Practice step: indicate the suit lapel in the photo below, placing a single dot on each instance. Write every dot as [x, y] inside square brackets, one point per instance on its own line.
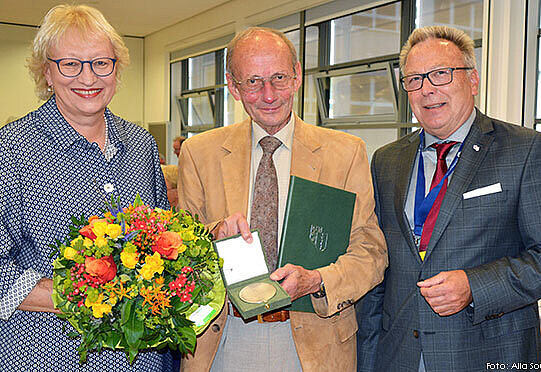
[480, 138]
[236, 168]
[306, 161]
[406, 156]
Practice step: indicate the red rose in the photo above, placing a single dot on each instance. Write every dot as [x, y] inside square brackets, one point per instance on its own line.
[168, 245]
[104, 269]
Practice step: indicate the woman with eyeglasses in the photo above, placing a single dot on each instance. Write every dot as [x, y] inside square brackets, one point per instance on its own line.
[65, 159]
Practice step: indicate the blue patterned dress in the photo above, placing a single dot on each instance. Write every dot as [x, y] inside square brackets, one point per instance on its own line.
[49, 172]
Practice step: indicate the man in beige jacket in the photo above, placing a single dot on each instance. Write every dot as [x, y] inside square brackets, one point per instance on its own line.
[216, 181]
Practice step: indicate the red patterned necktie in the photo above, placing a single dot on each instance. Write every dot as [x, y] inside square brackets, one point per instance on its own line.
[442, 149]
[264, 213]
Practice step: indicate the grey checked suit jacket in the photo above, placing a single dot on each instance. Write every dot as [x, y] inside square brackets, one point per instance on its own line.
[495, 238]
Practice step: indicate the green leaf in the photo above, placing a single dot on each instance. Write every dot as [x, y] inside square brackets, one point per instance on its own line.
[82, 356]
[132, 326]
[112, 339]
[188, 338]
[133, 351]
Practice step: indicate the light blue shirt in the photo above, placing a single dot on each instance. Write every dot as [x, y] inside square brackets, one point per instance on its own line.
[430, 160]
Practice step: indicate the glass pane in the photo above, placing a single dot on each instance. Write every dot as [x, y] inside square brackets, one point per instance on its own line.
[367, 93]
[478, 57]
[294, 37]
[311, 50]
[201, 71]
[374, 137]
[229, 108]
[371, 33]
[200, 111]
[466, 15]
[176, 79]
[310, 100]
[538, 106]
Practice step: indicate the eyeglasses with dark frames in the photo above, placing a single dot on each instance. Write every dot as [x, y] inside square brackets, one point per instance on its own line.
[438, 77]
[256, 83]
[72, 67]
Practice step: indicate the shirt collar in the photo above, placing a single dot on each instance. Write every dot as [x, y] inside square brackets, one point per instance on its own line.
[285, 135]
[66, 136]
[459, 135]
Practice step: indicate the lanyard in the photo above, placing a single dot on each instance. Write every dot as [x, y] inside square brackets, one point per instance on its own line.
[424, 204]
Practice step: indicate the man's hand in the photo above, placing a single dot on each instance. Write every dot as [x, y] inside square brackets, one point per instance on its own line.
[233, 225]
[447, 292]
[297, 281]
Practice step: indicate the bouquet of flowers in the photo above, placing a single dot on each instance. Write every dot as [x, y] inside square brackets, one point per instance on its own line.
[137, 278]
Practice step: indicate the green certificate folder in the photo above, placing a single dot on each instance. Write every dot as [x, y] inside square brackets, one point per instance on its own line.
[317, 225]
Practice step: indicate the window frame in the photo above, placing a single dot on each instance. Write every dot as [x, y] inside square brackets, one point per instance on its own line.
[322, 85]
[402, 117]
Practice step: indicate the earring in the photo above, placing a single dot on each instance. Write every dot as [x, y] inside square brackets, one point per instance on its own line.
[50, 89]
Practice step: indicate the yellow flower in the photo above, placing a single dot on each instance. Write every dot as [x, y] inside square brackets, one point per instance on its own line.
[100, 228]
[70, 253]
[98, 307]
[113, 299]
[113, 230]
[155, 260]
[129, 259]
[100, 242]
[182, 248]
[188, 235]
[87, 243]
[153, 264]
[75, 241]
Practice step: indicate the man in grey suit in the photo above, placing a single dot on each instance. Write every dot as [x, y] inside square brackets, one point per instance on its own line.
[464, 269]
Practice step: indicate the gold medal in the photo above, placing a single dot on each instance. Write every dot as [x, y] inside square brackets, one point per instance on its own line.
[257, 293]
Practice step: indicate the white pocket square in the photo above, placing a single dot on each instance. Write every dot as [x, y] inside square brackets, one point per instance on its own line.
[497, 187]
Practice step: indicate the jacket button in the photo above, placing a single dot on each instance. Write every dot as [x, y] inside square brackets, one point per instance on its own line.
[215, 328]
[415, 333]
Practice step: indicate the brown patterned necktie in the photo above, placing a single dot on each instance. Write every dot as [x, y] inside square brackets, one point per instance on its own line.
[264, 213]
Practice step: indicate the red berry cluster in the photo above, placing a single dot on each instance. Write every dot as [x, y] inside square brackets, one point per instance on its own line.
[182, 286]
[144, 219]
[80, 278]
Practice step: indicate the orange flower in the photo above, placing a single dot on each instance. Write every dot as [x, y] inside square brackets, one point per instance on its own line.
[104, 269]
[168, 245]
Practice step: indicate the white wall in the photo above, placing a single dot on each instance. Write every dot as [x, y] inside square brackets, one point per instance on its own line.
[17, 95]
[128, 101]
[509, 60]
[17, 89]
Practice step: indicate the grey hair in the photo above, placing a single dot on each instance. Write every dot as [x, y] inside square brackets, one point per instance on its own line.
[458, 37]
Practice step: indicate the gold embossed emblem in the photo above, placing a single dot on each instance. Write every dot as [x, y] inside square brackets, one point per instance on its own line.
[257, 293]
